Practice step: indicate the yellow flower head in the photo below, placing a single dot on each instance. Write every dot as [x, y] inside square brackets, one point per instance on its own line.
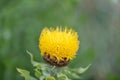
[58, 46]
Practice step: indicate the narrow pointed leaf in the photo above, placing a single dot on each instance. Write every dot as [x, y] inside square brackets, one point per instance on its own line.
[25, 74]
[34, 63]
[71, 75]
[81, 70]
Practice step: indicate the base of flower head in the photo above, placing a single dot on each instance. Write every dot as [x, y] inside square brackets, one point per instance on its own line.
[54, 61]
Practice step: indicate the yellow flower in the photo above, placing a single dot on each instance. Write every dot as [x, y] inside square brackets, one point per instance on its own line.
[58, 46]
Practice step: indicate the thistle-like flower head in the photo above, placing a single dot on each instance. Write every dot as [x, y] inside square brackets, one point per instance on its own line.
[58, 46]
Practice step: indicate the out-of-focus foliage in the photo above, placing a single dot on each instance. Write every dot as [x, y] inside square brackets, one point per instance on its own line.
[96, 21]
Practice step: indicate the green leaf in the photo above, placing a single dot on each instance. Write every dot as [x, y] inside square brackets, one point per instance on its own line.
[34, 63]
[50, 78]
[37, 73]
[81, 70]
[25, 74]
[71, 75]
[37, 65]
[62, 76]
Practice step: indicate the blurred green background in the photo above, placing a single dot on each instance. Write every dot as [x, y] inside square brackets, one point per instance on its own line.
[96, 21]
